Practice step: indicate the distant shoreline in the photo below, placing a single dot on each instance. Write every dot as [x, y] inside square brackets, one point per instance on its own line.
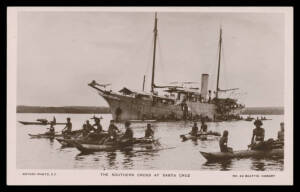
[106, 110]
[264, 111]
[64, 109]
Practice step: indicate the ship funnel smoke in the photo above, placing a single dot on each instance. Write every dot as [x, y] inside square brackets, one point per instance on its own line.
[204, 86]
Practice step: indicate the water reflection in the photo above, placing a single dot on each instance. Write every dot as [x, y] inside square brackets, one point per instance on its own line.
[195, 141]
[224, 166]
[51, 140]
[258, 165]
[128, 156]
[111, 158]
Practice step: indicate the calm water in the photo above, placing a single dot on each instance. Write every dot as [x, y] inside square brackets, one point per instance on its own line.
[44, 153]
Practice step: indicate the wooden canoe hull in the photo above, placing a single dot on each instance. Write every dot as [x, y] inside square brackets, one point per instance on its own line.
[70, 142]
[86, 148]
[47, 136]
[38, 123]
[200, 136]
[219, 156]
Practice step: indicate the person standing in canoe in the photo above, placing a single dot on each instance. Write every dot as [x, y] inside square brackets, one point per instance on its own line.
[54, 120]
[203, 128]
[280, 135]
[194, 129]
[149, 133]
[223, 143]
[68, 128]
[258, 136]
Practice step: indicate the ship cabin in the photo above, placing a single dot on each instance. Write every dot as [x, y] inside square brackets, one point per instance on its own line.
[187, 94]
[147, 96]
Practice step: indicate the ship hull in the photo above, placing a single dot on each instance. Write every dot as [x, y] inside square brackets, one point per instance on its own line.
[138, 109]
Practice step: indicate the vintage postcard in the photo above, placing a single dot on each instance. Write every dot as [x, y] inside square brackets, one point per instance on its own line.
[156, 96]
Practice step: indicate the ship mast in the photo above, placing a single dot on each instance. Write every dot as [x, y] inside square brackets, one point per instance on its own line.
[154, 53]
[144, 83]
[219, 62]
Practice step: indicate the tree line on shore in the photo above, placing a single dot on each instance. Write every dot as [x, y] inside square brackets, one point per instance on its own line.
[104, 110]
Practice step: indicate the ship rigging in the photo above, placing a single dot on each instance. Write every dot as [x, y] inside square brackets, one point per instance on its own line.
[181, 103]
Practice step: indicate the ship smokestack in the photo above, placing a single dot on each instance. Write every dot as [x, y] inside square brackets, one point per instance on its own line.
[204, 86]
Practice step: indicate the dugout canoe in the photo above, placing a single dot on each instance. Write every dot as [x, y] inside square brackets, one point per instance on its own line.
[201, 136]
[87, 148]
[38, 123]
[221, 156]
[43, 135]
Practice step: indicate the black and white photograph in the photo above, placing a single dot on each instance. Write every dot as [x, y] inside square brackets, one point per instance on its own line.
[177, 91]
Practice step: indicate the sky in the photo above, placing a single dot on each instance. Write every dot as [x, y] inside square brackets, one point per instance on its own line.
[59, 53]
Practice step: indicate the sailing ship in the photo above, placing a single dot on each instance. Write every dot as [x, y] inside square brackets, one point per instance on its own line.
[179, 103]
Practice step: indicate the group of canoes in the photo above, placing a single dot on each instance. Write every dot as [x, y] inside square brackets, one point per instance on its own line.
[262, 118]
[259, 147]
[93, 138]
[201, 134]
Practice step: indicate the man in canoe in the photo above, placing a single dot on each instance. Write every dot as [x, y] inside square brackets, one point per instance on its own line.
[194, 129]
[280, 135]
[54, 120]
[97, 126]
[51, 131]
[149, 133]
[84, 130]
[223, 143]
[68, 128]
[112, 131]
[258, 136]
[128, 135]
[203, 126]
[89, 127]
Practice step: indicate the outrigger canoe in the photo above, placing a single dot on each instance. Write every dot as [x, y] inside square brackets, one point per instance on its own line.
[88, 148]
[201, 136]
[44, 135]
[70, 142]
[221, 156]
[39, 123]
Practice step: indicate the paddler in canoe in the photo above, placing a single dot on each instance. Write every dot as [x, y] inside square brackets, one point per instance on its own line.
[49, 134]
[51, 131]
[258, 136]
[202, 134]
[195, 130]
[68, 128]
[223, 143]
[258, 142]
[203, 128]
[279, 143]
[95, 131]
[97, 125]
[112, 135]
[149, 133]
[280, 135]
[258, 147]
[128, 135]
